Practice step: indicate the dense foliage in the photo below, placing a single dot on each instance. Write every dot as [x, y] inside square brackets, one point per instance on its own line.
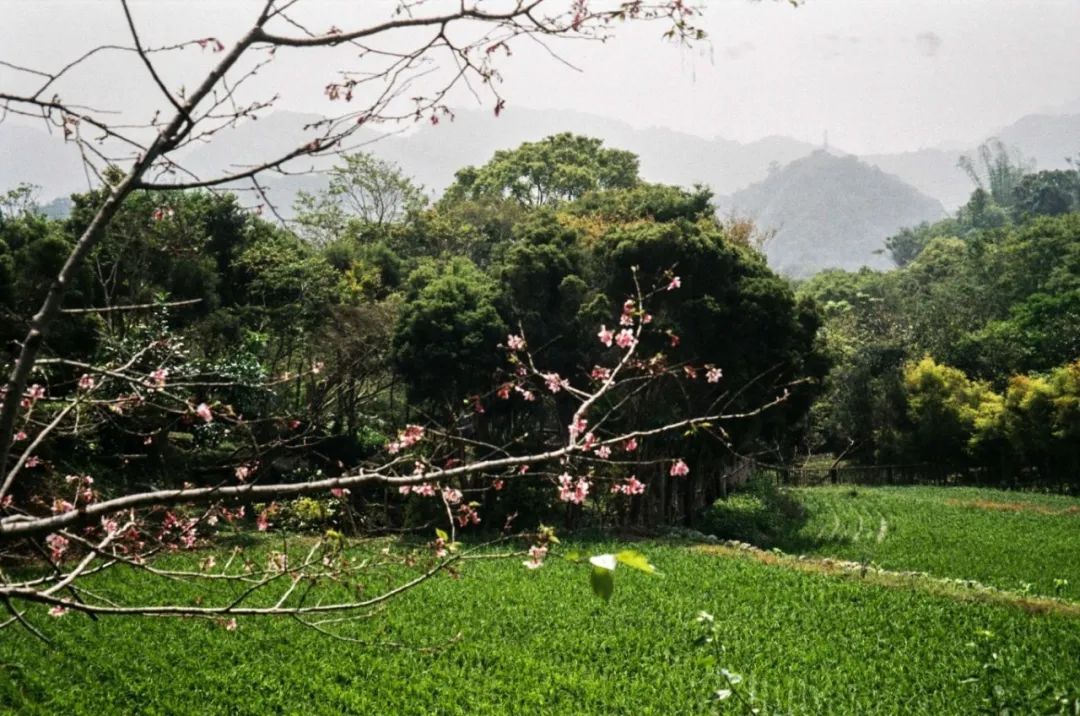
[374, 309]
[966, 354]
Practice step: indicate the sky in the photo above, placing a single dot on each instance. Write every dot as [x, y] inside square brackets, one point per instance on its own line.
[876, 75]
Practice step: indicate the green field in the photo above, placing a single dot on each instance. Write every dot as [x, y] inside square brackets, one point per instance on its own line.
[500, 639]
[1016, 541]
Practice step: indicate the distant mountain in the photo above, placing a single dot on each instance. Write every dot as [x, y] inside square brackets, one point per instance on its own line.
[1046, 139]
[829, 211]
[432, 154]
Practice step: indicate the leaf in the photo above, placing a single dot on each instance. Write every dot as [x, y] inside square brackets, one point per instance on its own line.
[635, 560]
[604, 561]
[722, 694]
[441, 534]
[573, 556]
[602, 582]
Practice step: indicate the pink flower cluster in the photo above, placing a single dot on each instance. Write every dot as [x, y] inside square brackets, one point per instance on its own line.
[679, 469]
[515, 343]
[58, 546]
[408, 437]
[574, 491]
[425, 489]
[536, 556]
[630, 486]
[554, 382]
[467, 515]
[185, 529]
[33, 394]
[203, 411]
[157, 378]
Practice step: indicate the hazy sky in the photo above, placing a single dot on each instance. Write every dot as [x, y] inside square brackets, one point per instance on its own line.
[878, 75]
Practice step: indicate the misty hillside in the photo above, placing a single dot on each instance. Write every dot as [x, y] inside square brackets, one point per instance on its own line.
[1048, 140]
[831, 212]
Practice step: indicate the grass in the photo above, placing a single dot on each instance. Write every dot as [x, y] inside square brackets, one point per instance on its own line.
[537, 642]
[1015, 541]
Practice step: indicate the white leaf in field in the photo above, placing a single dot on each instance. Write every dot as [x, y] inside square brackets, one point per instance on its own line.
[604, 561]
[731, 677]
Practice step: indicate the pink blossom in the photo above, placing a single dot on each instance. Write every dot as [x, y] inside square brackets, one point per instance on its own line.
[32, 462]
[451, 495]
[439, 545]
[675, 283]
[408, 437]
[58, 611]
[631, 486]
[674, 339]
[536, 556]
[262, 521]
[630, 445]
[625, 339]
[158, 377]
[425, 490]
[603, 452]
[554, 382]
[571, 490]
[340, 492]
[5, 502]
[60, 505]
[578, 427]
[627, 317]
[497, 484]
[713, 374]
[243, 472]
[405, 489]
[86, 382]
[589, 442]
[58, 545]
[504, 391]
[600, 373]
[515, 343]
[35, 392]
[605, 336]
[679, 469]
[230, 625]
[691, 371]
[467, 515]
[109, 525]
[526, 394]
[19, 436]
[203, 411]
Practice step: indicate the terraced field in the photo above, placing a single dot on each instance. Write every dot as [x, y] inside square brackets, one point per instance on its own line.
[1021, 542]
[500, 639]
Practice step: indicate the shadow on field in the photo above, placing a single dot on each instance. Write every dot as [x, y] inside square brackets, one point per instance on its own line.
[765, 516]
